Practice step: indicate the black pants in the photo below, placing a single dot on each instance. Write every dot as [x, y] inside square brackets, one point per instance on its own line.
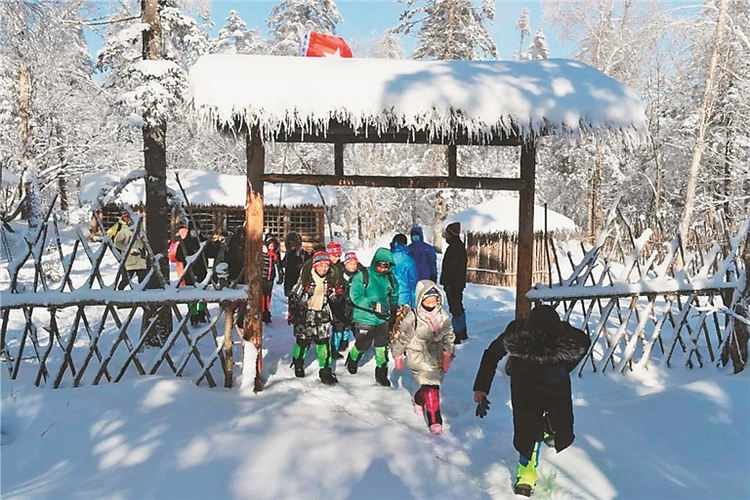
[455, 298]
[366, 335]
[128, 277]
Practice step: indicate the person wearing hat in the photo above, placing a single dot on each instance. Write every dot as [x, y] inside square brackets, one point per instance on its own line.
[342, 323]
[188, 244]
[294, 258]
[405, 271]
[374, 294]
[542, 351]
[425, 339]
[310, 313]
[424, 255]
[135, 260]
[271, 270]
[453, 278]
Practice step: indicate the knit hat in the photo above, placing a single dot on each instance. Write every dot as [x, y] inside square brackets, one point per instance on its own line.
[432, 292]
[320, 257]
[334, 248]
[454, 228]
[350, 256]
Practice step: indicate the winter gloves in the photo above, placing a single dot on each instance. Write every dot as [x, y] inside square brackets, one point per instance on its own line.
[447, 358]
[398, 361]
[483, 406]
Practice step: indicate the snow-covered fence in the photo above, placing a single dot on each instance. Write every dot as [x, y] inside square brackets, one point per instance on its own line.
[663, 306]
[64, 323]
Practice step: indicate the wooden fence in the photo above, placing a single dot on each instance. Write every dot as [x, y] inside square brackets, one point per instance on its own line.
[63, 324]
[660, 306]
[493, 258]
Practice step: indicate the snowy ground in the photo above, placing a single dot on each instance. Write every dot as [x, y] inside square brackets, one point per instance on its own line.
[665, 433]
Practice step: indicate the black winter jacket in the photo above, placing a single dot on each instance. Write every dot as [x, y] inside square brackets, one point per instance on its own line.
[453, 274]
[539, 365]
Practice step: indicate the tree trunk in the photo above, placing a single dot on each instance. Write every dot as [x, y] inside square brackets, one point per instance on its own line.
[704, 113]
[155, 163]
[62, 185]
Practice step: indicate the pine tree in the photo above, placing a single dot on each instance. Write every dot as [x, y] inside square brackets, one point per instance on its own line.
[524, 30]
[236, 38]
[291, 18]
[539, 48]
[449, 29]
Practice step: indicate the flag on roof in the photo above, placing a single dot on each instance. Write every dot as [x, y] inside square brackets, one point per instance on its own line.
[315, 44]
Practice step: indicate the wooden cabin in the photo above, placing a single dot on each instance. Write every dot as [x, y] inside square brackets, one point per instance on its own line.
[215, 201]
[490, 233]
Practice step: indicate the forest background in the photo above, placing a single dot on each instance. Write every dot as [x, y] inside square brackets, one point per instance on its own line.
[64, 112]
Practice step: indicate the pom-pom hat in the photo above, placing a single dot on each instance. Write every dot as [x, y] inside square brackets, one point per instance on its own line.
[319, 257]
[334, 248]
[350, 256]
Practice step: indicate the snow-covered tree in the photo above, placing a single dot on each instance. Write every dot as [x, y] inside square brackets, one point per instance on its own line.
[387, 47]
[449, 29]
[291, 18]
[539, 48]
[524, 30]
[236, 38]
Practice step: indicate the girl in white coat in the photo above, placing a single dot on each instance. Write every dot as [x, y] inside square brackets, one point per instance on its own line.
[426, 340]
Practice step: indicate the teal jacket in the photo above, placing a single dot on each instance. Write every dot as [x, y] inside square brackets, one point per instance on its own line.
[381, 292]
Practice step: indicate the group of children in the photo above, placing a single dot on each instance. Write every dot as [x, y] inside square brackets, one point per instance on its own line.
[337, 301]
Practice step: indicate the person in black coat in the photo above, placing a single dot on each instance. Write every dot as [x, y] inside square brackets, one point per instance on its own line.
[453, 279]
[294, 258]
[542, 351]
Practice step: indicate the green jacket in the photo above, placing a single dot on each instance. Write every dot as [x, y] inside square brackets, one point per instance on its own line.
[380, 293]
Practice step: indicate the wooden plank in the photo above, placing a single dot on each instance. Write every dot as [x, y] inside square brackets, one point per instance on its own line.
[253, 331]
[338, 158]
[419, 182]
[452, 155]
[525, 229]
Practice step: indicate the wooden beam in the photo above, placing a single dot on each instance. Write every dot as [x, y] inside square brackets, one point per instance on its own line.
[525, 229]
[340, 132]
[338, 158]
[500, 184]
[452, 161]
[253, 327]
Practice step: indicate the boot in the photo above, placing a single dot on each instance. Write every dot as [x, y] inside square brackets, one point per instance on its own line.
[343, 346]
[266, 317]
[299, 367]
[327, 376]
[381, 376]
[352, 364]
[336, 354]
[526, 474]
[431, 397]
[436, 429]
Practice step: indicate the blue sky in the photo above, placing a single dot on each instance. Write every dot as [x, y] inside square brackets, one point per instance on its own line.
[365, 19]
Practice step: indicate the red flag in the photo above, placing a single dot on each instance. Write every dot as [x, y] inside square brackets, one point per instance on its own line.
[319, 45]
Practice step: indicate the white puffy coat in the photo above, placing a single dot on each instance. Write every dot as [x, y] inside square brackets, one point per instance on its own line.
[424, 341]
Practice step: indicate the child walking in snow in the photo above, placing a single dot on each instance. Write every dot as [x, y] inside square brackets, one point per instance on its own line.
[542, 350]
[426, 339]
[310, 313]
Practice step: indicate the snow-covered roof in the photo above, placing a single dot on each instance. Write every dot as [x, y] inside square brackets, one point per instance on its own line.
[8, 178]
[481, 98]
[208, 188]
[500, 214]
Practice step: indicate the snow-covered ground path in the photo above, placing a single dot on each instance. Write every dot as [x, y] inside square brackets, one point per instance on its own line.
[665, 433]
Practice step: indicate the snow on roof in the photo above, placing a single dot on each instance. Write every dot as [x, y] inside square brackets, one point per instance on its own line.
[500, 214]
[208, 188]
[8, 178]
[482, 97]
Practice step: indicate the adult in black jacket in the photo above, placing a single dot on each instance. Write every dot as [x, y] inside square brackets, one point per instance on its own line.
[453, 279]
[542, 350]
[294, 258]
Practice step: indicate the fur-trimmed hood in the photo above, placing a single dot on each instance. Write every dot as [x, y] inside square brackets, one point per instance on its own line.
[546, 347]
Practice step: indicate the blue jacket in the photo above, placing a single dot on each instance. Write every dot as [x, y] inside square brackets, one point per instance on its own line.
[406, 274]
[424, 256]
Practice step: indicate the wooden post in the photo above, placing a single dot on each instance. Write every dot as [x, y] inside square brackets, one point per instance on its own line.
[253, 327]
[525, 228]
[228, 354]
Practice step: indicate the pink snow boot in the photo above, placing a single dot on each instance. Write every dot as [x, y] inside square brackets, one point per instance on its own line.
[431, 396]
[436, 429]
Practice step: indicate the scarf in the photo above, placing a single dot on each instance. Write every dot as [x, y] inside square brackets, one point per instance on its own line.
[316, 301]
[432, 319]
